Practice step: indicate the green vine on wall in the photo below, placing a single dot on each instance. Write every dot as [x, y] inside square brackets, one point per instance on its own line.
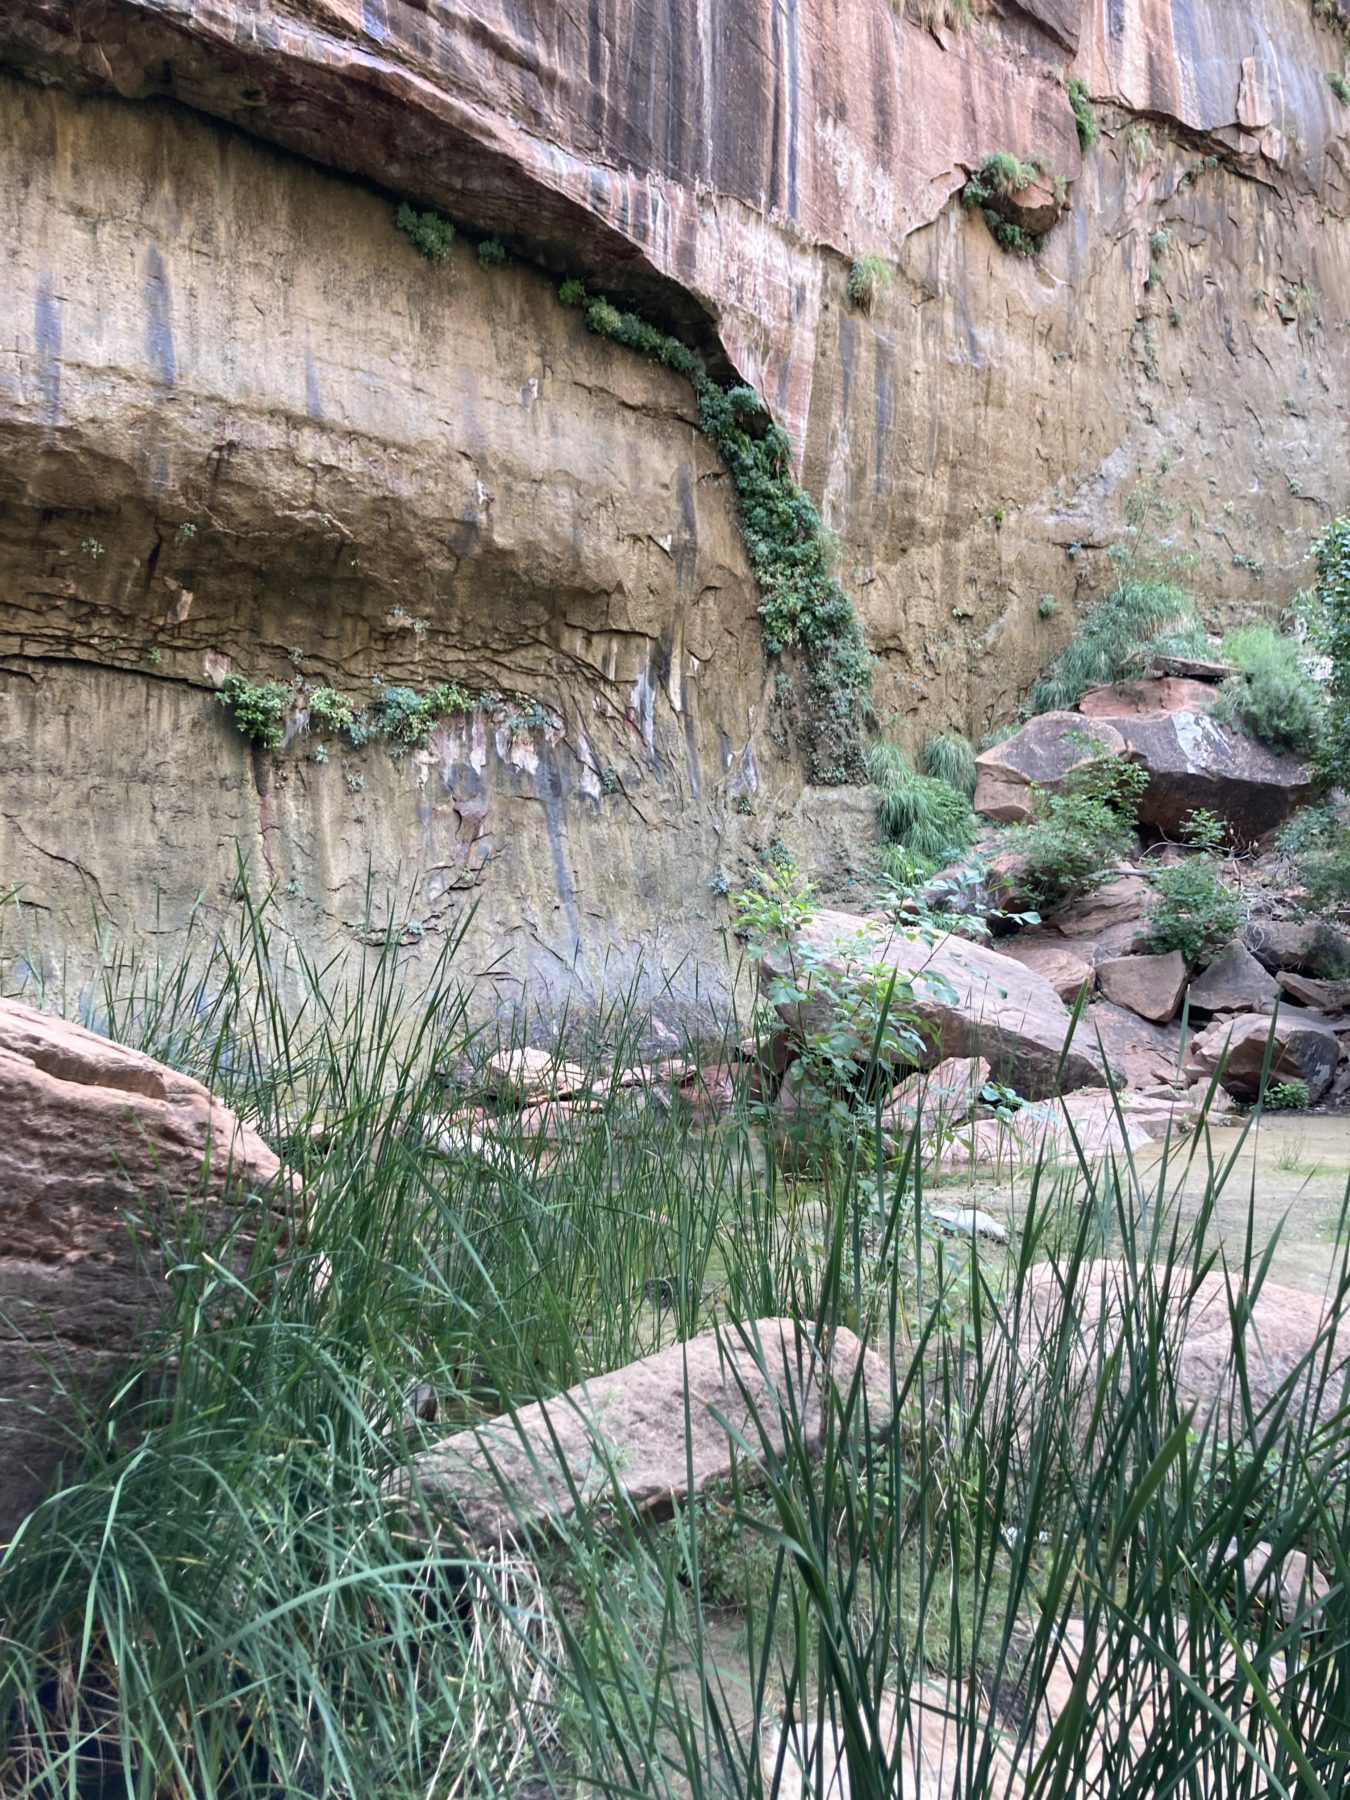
[802, 604]
[395, 715]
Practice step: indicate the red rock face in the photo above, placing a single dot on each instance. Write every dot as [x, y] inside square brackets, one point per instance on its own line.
[689, 156]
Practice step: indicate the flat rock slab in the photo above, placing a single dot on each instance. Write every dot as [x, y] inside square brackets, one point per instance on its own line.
[1143, 1053]
[1150, 986]
[624, 1433]
[945, 1095]
[1285, 1326]
[1327, 996]
[970, 1001]
[1053, 960]
[93, 1131]
[1150, 694]
[1233, 982]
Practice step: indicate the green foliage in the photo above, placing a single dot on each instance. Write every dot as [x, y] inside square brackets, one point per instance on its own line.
[1077, 835]
[401, 717]
[1339, 85]
[855, 1010]
[949, 757]
[1272, 695]
[1332, 555]
[406, 719]
[999, 177]
[1193, 910]
[868, 279]
[930, 818]
[572, 292]
[491, 252]
[258, 708]
[1320, 841]
[1288, 1096]
[1140, 145]
[1047, 606]
[1118, 638]
[1159, 243]
[1084, 114]
[427, 232]
[330, 710]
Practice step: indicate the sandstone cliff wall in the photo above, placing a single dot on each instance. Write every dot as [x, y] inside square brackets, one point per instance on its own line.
[242, 424]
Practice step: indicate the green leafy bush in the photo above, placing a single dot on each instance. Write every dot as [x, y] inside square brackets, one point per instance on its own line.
[491, 252]
[572, 292]
[1340, 86]
[1138, 621]
[1288, 1096]
[948, 757]
[1084, 115]
[258, 708]
[868, 279]
[1272, 695]
[330, 710]
[406, 718]
[1332, 555]
[932, 819]
[427, 232]
[1076, 836]
[1193, 910]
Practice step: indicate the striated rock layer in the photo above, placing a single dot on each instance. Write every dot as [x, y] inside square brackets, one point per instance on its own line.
[243, 425]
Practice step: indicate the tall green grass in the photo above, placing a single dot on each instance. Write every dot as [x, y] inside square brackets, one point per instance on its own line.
[220, 1599]
[931, 818]
[1118, 637]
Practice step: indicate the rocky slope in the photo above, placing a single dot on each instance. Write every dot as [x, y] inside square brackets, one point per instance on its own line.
[243, 425]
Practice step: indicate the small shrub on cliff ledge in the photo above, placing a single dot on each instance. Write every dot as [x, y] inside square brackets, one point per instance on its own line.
[1272, 695]
[258, 708]
[1000, 176]
[1332, 554]
[930, 817]
[427, 232]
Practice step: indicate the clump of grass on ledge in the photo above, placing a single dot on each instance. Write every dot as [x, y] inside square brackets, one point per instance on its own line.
[219, 1599]
[1000, 177]
[1339, 85]
[868, 279]
[930, 817]
[1117, 638]
[1084, 114]
[1272, 694]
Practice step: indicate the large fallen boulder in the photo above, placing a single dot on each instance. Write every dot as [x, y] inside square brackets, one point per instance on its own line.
[1041, 754]
[1108, 921]
[968, 1000]
[1195, 762]
[1304, 1049]
[648, 1434]
[1233, 982]
[95, 1132]
[1143, 1054]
